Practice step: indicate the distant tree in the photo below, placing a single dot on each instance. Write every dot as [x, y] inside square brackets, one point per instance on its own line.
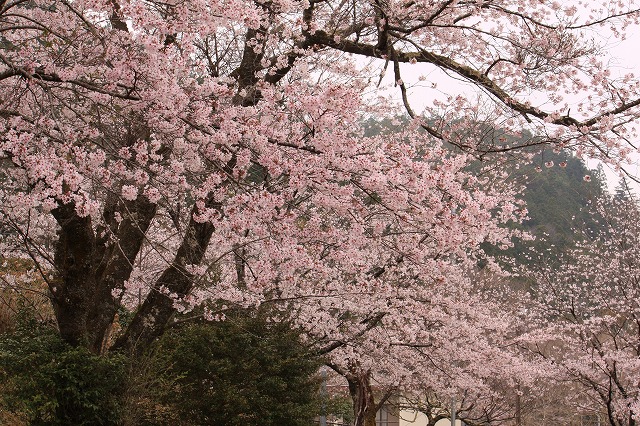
[559, 191]
[558, 197]
[584, 316]
[624, 190]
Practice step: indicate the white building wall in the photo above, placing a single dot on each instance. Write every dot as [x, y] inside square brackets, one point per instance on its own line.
[413, 418]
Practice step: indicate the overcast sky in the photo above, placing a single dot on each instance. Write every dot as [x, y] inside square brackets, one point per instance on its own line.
[427, 83]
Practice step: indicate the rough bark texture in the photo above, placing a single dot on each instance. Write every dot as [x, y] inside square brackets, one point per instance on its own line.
[75, 282]
[364, 406]
[90, 267]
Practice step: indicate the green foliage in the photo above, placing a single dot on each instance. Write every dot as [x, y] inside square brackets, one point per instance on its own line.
[557, 199]
[340, 407]
[47, 382]
[243, 370]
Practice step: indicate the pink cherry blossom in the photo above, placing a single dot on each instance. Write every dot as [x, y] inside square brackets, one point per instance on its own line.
[218, 152]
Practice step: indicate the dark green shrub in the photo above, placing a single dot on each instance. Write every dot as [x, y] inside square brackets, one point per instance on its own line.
[245, 370]
[48, 382]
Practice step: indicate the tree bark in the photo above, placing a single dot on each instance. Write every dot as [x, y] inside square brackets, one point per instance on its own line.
[74, 283]
[364, 406]
[89, 268]
[158, 308]
[117, 266]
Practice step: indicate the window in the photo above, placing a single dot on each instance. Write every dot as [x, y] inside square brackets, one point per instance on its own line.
[382, 417]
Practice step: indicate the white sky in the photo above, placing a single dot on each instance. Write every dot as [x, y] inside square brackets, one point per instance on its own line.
[624, 58]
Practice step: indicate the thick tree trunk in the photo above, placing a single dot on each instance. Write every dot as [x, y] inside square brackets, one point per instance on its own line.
[364, 406]
[117, 266]
[90, 268]
[72, 288]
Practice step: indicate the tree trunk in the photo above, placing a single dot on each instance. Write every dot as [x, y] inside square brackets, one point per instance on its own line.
[90, 268]
[158, 308]
[74, 283]
[364, 407]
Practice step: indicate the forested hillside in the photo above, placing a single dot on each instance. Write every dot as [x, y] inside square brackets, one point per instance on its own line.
[557, 187]
[559, 190]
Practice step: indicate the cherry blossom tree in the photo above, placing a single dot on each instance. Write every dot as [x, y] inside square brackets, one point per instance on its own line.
[585, 316]
[430, 344]
[181, 152]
